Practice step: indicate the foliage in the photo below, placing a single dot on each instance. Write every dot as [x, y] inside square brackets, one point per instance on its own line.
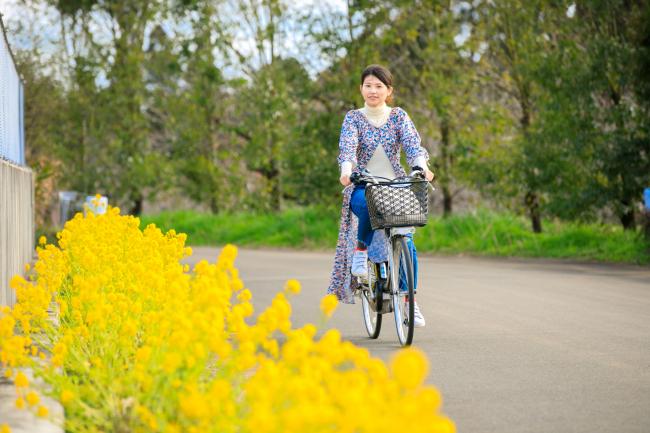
[540, 106]
[143, 344]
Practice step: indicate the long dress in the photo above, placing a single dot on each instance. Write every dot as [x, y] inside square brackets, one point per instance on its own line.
[359, 140]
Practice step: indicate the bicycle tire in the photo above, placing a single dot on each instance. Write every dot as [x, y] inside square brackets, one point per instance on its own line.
[371, 319]
[403, 300]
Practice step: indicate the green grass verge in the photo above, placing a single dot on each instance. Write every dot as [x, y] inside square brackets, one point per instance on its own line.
[481, 233]
[306, 228]
[492, 234]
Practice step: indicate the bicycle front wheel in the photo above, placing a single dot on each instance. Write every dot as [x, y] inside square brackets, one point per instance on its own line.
[402, 289]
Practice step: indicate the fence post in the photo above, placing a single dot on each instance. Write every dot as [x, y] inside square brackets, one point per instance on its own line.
[646, 214]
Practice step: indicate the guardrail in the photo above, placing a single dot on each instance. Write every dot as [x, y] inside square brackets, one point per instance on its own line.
[12, 134]
[16, 225]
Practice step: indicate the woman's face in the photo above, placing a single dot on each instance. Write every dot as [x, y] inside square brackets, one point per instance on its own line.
[374, 92]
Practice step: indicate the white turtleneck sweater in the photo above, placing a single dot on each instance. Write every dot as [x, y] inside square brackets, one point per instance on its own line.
[379, 164]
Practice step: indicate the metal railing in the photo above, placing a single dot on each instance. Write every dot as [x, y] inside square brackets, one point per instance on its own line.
[16, 225]
[16, 180]
[12, 137]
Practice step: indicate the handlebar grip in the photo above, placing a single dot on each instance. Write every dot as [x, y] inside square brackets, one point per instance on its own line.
[418, 172]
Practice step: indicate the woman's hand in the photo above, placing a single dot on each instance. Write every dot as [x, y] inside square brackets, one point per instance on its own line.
[428, 174]
[345, 179]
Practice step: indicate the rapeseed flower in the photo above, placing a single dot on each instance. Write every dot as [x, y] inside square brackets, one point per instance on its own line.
[32, 398]
[293, 287]
[409, 367]
[21, 380]
[328, 304]
[143, 342]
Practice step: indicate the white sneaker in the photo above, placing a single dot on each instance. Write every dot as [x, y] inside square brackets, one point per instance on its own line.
[360, 264]
[418, 318]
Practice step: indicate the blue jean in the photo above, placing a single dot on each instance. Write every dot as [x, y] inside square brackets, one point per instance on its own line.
[365, 233]
[360, 209]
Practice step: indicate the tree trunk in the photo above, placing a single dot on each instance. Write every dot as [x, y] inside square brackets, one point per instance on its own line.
[447, 161]
[214, 204]
[628, 220]
[646, 226]
[532, 204]
[276, 191]
[137, 206]
[447, 201]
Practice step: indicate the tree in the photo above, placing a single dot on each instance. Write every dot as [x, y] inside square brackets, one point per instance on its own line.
[518, 34]
[615, 36]
[112, 149]
[437, 78]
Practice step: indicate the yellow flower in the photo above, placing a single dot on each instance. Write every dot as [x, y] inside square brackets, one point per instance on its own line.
[27, 267]
[32, 398]
[172, 362]
[42, 240]
[143, 354]
[126, 301]
[293, 286]
[66, 396]
[409, 367]
[21, 380]
[328, 304]
[245, 295]
[4, 428]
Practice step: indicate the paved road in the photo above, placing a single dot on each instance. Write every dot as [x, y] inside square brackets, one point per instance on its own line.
[514, 346]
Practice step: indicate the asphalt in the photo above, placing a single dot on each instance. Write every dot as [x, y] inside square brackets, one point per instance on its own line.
[513, 345]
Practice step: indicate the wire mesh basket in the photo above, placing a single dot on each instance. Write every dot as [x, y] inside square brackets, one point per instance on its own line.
[398, 204]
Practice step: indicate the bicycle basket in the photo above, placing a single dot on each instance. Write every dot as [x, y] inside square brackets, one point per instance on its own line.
[397, 204]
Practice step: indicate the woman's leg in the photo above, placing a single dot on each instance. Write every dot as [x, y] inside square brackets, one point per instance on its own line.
[418, 317]
[414, 256]
[360, 209]
[359, 266]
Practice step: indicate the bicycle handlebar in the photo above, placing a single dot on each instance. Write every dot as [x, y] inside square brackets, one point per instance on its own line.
[364, 177]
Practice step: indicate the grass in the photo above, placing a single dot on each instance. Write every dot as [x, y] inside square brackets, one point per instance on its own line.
[305, 228]
[480, 233]
[492, 234]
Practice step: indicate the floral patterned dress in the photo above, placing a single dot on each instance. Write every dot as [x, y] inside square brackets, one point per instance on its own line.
[358, 142]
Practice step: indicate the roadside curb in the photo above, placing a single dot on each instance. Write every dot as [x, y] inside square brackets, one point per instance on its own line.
[25, 420]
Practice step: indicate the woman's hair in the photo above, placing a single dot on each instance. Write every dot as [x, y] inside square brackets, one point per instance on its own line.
[382, 74]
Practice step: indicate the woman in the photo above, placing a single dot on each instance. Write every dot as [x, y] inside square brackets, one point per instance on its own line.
[371, 138]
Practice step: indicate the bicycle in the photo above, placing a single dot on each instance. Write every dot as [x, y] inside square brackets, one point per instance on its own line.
[397, 207]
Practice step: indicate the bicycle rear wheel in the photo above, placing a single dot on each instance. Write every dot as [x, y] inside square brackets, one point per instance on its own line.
[402, 289]
[372, 319]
